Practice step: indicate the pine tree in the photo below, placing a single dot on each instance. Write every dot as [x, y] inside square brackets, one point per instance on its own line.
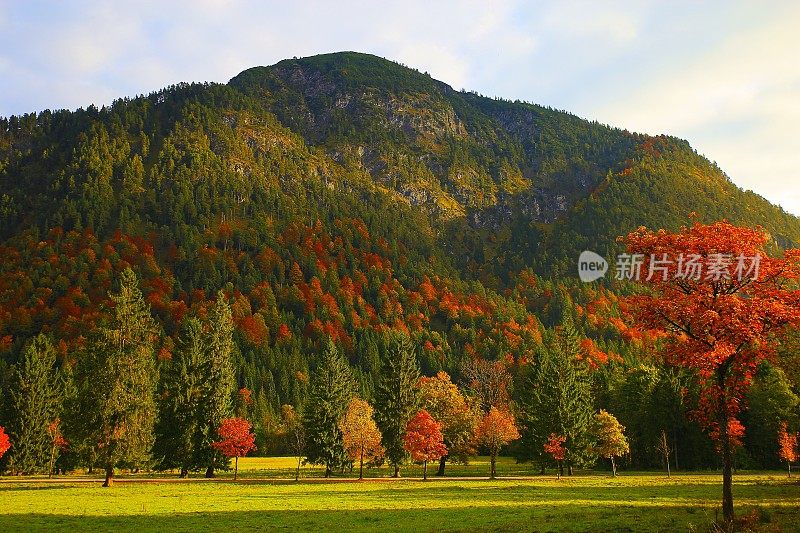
[118, 377]
[179, 432]
[331, 390]
[218, 404]
[36, 403]
[396, 397]
[556, 398]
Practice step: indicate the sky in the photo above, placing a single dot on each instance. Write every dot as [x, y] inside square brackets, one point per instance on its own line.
[725, 75]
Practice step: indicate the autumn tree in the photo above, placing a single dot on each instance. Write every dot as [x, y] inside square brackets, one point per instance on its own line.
[5, 442]
[459, 417]
[719, 298]
[787, 447]
[360, 435]
[218, 404]
[423, 440]
[554, 447]
[396, 397]
[664, 449]
[610, 438]
[331, 390]
[35, 404]
[58, 443]
[295, 434]
[495, 430]
[488, 381]
[235, 440]
[119, 378]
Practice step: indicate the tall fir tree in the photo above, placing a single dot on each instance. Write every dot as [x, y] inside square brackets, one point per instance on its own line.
[396, 397]
[556, 398]
[179, 432]
[218, 404]
[36, 402]
[118, 377]
[331, 390]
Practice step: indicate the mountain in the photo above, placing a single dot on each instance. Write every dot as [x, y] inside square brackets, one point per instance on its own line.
[338, 195]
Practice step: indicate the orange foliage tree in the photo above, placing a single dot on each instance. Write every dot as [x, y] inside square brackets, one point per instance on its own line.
[787, 446]
[495, 430]
[360, 435]
[236, 440]
[718, 297]
[423, 440]
[554, 447]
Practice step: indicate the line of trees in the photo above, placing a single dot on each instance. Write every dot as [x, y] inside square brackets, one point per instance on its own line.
[121, 404]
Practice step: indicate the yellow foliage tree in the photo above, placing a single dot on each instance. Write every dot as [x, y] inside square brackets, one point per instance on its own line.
[360, 434]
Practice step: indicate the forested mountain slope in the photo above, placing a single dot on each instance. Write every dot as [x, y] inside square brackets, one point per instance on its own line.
[340, 196]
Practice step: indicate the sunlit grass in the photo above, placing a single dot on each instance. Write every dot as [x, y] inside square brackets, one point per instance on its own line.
[597, 502]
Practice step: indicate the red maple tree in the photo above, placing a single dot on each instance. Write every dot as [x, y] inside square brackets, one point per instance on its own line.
[554, 447]
[719, 318]
[424, 440]
[236, 440]
[787, 446]
[5, 442]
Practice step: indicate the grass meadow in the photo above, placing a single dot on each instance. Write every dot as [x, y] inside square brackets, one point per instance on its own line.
[263, 500]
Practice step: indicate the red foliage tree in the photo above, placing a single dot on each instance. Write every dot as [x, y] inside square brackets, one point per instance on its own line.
[5, 442]
[718, 318]
[554, 447]
[787, 446]
[424, 440]
[236, 440]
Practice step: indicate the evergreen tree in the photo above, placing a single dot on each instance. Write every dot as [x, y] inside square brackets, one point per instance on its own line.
[218, 404]
[36, 403]
[331, 390]
[118, 377]
[396, 397]
[179, 432]
[556, 398]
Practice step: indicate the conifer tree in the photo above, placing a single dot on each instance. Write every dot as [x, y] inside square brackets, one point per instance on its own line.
[556, 398]
[36, 403]
[118, 377]
[331, 390]
[396, 397]
[179, 433]
[218, 404]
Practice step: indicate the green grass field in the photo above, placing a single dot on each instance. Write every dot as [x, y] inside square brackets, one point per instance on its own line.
[587, 502]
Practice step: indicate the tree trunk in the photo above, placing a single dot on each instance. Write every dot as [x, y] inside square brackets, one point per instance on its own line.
[297, 472]
[790, 468]
[210, 471]
[569, 468]
[52, 461]
[613, 467]
[184, 473]
[442, 463]
[109, 476]
[560, 469]
[327, 470]
[727, 455]
[669, 474]
[425, 470]
[361, 465]
[493, 470]
[236, 468]
[396, 471]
